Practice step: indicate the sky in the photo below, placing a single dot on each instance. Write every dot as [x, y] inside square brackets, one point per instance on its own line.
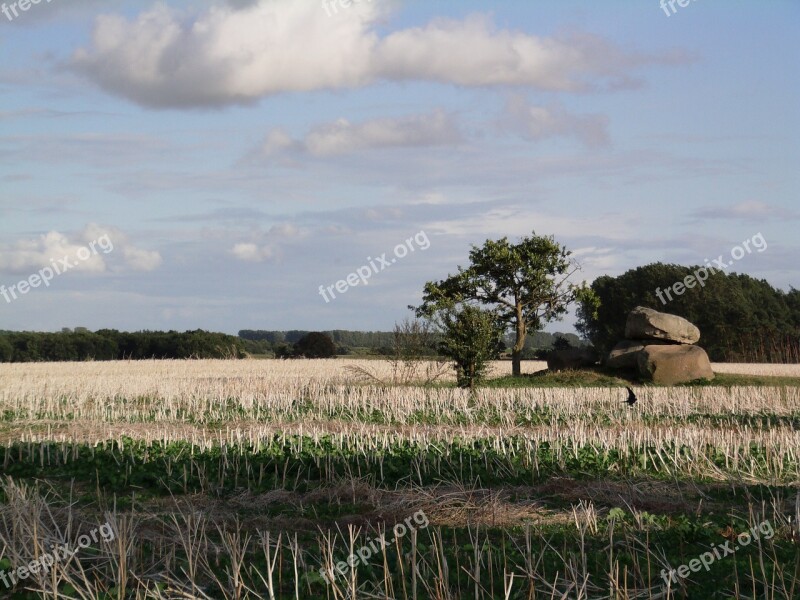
[223, 164]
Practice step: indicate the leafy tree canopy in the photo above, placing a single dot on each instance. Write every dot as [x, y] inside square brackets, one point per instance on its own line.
[525, 283]
[471, 338]
[740, 318]
[315, 345]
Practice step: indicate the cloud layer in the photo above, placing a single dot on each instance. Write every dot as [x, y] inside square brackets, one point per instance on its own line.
[229, 55]
[343, 137]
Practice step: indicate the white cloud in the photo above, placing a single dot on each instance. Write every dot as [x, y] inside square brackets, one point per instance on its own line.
[473, 52]
[267, 246]
[343, 137]
[89, 250]
[252, 252]
[539, 122]
[597, 258]
[228, 55]
[33, 254]
[141, 260]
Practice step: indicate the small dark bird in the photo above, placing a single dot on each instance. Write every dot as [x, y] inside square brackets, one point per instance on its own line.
[632, 399]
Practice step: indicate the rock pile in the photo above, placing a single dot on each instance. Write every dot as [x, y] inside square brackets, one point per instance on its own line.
[661, 347]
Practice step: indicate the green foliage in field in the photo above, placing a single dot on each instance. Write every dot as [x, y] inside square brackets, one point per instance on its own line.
[128, 475]
[291, 462]
[471, 338]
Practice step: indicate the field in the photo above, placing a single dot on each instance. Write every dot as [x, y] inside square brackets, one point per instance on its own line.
[262, 479]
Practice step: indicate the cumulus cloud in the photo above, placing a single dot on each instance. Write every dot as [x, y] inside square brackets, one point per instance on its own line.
[33, 254]
[252, 252]
[539, 122]
[89, 250]
[228, 54]
[473, 52]
[141, 260]
[343, 137]
[267, 245]
[239, 54]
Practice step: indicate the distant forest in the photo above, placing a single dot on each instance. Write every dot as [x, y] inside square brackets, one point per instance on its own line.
[80, 344]
[380, 343]
[110, 344]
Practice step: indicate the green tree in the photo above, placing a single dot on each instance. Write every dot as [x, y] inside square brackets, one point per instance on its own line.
[740, 318]
[6, 349]
[315, 345]
[526, 283]
[471, 338]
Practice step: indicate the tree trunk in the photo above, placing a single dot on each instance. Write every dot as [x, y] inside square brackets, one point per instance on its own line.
[519, 343]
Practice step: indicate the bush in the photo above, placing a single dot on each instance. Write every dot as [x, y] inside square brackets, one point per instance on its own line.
[315, 345]
[472, 337]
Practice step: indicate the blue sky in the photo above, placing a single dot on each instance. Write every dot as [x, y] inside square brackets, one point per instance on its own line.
[241, 154]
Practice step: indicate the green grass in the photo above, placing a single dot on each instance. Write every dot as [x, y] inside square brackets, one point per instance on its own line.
[598, 377]
[730, 380]
[582, 378]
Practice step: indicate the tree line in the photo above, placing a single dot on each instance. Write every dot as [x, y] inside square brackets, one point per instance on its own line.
[110, 344]
[382, 343]
[741, 318]
[347, 342]
[80, 344]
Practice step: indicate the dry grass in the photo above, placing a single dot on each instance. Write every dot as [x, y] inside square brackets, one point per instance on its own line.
[776, 370]
[235, 403]
[287, 391]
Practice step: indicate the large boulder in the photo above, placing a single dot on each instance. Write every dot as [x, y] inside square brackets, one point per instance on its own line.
[625, 355]
[648, 324]
[673, 364]
[571, 358]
